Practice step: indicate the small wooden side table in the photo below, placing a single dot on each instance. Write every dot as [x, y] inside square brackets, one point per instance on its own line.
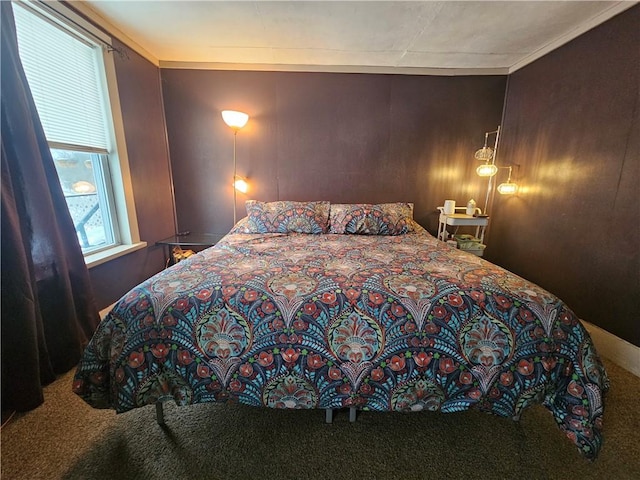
[188, 240]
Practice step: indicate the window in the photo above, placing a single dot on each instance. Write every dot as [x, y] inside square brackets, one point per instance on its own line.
[67, 74]
[89, 196]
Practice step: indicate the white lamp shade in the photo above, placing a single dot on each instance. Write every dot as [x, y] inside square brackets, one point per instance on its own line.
[507, 188]
[485, 154]
[241, 185]
[235, 120]
[487, 170]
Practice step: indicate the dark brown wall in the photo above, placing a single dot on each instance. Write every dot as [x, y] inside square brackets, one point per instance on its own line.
[142, 112]
[572, 123]
[325, 136]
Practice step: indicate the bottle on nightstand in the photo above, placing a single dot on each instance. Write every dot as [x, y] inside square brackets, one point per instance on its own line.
[471, 207]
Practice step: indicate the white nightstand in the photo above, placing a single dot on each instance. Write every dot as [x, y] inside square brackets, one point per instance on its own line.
[461, 220]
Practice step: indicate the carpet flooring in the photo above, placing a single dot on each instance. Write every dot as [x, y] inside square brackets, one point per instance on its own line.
[66, 439]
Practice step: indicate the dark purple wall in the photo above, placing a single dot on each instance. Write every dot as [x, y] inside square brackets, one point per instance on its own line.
[572, 123]
[325, 136]
[142, 112]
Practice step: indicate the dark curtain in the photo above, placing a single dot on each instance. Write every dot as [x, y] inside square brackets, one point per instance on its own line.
[48, 310]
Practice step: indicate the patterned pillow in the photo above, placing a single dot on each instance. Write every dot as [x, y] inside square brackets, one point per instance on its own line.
[242, 226]
[368, 219]
[286, 216]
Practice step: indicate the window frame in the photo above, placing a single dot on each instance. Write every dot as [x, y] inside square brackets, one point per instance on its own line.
[102, 177]
[118, 168]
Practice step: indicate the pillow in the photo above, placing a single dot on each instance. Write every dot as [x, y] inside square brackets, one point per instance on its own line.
[286, 217]
[242, 226]
[368, 219]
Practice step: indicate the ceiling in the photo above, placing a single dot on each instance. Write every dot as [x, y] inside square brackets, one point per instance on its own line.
[451, 37]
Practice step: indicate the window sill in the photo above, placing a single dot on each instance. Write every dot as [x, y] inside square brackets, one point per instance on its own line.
[99, 258]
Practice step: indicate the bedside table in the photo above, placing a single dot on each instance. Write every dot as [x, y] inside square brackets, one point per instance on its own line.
[189, 240]
[461, 220]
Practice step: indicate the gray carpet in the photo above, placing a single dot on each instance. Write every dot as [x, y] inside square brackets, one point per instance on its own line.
[66, 439]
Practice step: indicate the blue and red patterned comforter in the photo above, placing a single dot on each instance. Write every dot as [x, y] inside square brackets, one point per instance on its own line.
[329, 321]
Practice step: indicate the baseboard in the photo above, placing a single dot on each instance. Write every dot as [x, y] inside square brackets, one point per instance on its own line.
[615, 349]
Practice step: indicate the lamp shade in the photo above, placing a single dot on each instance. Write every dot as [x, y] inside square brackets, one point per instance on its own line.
[507, 188]
[241, 185]
[235, 120]
[485, 154]
[487, 170]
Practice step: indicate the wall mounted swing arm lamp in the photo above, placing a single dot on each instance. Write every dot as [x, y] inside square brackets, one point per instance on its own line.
[236, 120]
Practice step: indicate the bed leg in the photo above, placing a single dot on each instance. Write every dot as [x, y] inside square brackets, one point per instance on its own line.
[328, 416]
[352, 414]
[159, 414]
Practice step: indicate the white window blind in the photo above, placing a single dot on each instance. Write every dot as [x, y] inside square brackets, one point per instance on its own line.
[61, 70]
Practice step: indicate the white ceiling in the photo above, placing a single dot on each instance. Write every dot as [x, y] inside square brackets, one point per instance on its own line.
[405, 37]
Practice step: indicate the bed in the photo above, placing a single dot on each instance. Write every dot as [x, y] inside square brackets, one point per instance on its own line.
[318, 305]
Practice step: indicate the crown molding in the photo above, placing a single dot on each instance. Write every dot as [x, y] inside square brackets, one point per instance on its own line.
[612, 11]
[267, 67]
[93, 16]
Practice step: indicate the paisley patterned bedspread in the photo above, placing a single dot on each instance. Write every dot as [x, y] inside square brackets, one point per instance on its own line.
[329, 321]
